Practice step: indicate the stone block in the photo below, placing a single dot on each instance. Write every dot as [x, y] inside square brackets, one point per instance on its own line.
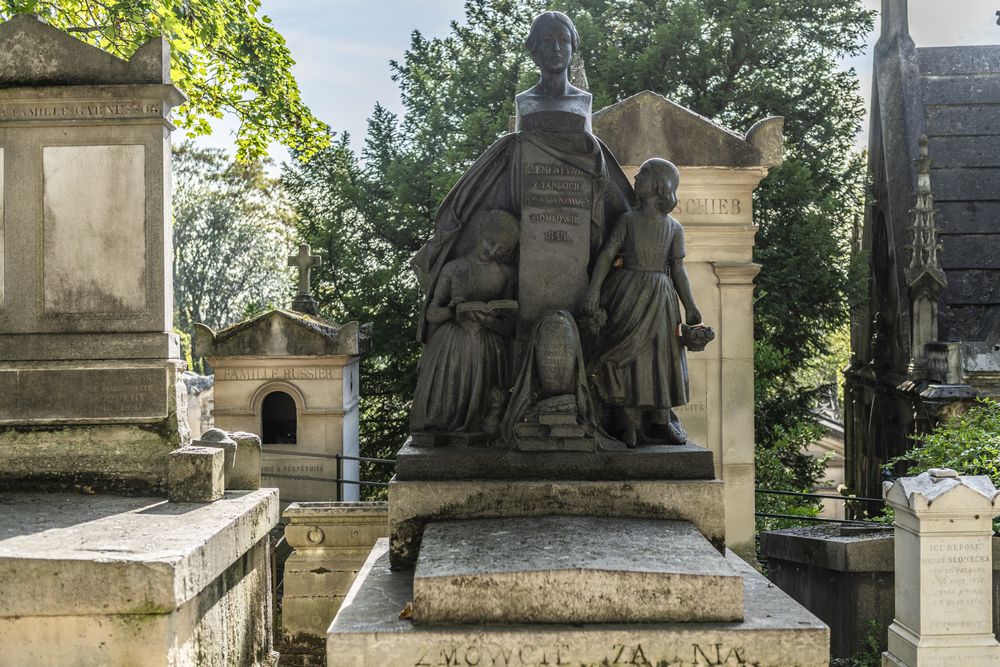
[110, 580]
[368, 632]
[559, 569]
[687, 461]
[331, 542]
[845, 578]
[246, 469]
[195, 475]
[412, 504]
[335, 524]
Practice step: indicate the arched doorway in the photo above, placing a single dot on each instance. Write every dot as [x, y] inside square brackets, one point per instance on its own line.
[278, 419]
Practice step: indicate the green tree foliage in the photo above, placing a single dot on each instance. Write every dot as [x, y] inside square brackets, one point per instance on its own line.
[232, 234]
[734, 61]
[225, 57]
[968, 442]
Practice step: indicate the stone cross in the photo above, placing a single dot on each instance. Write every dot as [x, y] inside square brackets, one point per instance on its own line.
[304, 302]
[304, 262]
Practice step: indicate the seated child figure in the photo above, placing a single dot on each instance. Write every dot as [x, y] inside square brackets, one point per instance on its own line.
[640, 364]
[464, 369]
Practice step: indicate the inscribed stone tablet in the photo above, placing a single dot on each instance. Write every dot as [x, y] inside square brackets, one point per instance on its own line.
[98, 393]
[556, 205]
[955, 578]
[95, 229]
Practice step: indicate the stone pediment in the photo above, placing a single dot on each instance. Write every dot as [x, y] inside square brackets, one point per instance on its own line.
[33, 53]
[279, 333]
[650, 124]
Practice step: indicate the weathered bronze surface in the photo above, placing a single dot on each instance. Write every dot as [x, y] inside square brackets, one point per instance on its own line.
[563, 351]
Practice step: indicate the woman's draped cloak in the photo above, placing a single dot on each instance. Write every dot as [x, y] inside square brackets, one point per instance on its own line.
[641, 362]
[494, 182]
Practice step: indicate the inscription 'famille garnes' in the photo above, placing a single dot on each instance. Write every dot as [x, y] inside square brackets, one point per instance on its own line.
[16, 111]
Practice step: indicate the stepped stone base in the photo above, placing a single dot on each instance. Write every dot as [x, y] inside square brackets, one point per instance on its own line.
[413, 503]
[368, 632]
[106, 580]
[564, 569]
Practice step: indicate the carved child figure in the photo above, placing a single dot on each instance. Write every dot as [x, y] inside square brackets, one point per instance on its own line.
[465, 367]
[640, 365]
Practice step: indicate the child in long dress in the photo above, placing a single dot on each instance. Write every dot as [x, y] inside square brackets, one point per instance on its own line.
[640, 365]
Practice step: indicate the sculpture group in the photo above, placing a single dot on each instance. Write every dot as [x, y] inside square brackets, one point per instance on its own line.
[553, 288]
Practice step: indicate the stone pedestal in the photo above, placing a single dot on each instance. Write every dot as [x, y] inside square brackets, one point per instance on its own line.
[331, 542]
[88, 366]
[413, 503]
[368, 632]
[565, 569]
[944, 568]
[106, 580]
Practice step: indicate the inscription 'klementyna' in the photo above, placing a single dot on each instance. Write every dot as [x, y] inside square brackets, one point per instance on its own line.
[551, 169]
[96, 110]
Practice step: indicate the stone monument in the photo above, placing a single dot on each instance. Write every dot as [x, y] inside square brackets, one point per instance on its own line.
[585, 528]
[88, 364]
[944, 571]
[292, 378]
[89, 389]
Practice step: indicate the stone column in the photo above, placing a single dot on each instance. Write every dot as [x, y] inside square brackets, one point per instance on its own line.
[736, 383]
[331, 542]
[944, 569]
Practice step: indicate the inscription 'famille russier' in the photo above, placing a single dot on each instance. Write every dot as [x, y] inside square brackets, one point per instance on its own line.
[278, 374]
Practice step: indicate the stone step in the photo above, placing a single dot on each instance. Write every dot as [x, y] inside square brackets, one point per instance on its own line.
[414, 503]
[369, 632]
[571, 569]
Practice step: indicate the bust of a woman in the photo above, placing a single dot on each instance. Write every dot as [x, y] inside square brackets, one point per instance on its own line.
[553, 104]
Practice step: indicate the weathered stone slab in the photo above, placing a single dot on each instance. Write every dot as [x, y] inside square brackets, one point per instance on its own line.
[560, 569]
[39, 395]
[367, 632]
[687, 461]
[70, 347]
[105, 580]
[412, 504]
[94, 229]
[67, 554]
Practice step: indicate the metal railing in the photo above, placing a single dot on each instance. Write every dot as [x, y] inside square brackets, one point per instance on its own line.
[339, 480]
[821, 496]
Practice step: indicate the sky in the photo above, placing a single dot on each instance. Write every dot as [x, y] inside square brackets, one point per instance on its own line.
[342, 50]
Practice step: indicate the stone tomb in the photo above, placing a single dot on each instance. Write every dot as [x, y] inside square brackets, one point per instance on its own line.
[291, 378]
[88, 383]
[719, 171]
[88, 366]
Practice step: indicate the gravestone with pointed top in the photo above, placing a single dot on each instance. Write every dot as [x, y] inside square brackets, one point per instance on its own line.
[304, 262]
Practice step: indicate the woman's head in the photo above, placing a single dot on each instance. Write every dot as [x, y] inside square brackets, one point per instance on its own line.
[552, 41]
[658, 178]
[499, 232]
